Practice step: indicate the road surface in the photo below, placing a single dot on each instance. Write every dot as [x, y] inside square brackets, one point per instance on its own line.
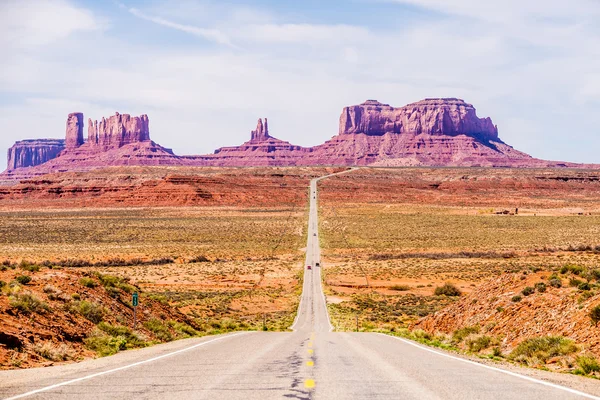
[312, 362]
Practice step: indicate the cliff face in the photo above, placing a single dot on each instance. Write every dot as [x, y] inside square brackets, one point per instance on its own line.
[449, 117]
[74, 134]
[118, 130]
[29, 153]
[430, 132]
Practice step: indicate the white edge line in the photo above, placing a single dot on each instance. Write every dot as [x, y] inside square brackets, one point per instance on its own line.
[110, 371]
[503, 371]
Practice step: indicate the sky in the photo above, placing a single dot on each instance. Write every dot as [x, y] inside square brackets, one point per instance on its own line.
[204, 71]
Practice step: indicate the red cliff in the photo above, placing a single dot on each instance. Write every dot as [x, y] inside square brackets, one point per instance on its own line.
[29, 153]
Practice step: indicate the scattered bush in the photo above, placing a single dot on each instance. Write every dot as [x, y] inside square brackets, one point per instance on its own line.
[2, 284]
[588, 364]
[540, 349]
[160, 330]
[528, 291]
[516, 299]
[555, 281]
[400, 288]
[595, 315]
[447, 290]
[574, 269]
[540, 287]
[575, 282]
[23, 279]
[54, 352]
[584, 286]
[460, 334]
[103, 344]
[198, 259]
[28, 303]
[477, 344]
[88, 282]
[91, 311]
[183, 330]
[26, 266]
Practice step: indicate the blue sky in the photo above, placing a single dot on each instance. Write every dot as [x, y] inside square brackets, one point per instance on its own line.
[205, 71]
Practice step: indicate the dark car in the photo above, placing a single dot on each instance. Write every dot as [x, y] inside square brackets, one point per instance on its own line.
[308, 267]
[317, 265]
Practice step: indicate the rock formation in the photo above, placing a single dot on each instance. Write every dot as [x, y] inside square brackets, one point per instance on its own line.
[449, 117]
[29, 153]
[431, 132]
[74, 136]
[118, 130]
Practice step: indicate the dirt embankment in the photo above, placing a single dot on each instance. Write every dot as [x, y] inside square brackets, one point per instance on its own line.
[50, 315]
[520, 306]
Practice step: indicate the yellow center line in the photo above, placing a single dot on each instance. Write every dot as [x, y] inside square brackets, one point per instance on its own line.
[309, 383]
[309, 344]
[310, 363]
[310, 351]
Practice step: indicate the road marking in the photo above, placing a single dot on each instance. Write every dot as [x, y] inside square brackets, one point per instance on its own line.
[310, 351]
[309, 344]
[309, 383]
[310, 363]
[110, 371]
[503, 371]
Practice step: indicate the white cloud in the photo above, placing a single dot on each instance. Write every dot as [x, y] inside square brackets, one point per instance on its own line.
[209, 34]
[538, 81]
[40, 22]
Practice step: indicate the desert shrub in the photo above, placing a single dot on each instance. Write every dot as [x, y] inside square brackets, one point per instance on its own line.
[448, 290]
[54, 352]
[477, 344]
[103, 344]
[574, 269]
[28, 303]
[595, 314]
[555, 282]
[160, 330]
[516, 299]
[575, 282]
[182, 329]
[76, 296]
[23, 279]
[92, 311]
[131, 338]
[497, 352]
[588, 364]
[528, 291]
[110, 281]
[198, 259]
[88, 282]
[595, 274]
[540, 349]
[584, 286]
[540, 287]
[499, 309]
[460, 334]
[27, 266]
[400, 288]
[2, 284]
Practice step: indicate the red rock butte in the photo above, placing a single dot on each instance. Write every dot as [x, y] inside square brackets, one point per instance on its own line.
[430, 132]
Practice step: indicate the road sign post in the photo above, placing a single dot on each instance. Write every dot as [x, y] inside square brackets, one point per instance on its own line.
[135, 302]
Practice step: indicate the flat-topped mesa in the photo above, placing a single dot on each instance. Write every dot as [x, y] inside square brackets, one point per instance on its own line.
[261, 133]
[29, 153]
[118, 130]
[74, 134]
[436, 116]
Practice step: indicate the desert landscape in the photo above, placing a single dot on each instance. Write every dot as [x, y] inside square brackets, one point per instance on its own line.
[478, 260]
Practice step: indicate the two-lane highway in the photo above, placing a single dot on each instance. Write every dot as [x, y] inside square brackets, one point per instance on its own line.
[312, 362]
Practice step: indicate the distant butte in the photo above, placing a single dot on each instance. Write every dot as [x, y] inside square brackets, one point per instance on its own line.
[430, 132]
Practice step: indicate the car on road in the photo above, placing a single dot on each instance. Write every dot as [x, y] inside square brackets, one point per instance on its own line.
[308, 267]
[314, 234]
[317, 265]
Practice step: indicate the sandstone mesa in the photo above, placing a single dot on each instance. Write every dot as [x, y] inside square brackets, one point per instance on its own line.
[430, 132]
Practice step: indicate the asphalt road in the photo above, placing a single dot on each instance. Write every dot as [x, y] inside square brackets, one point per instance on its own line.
[312, 362]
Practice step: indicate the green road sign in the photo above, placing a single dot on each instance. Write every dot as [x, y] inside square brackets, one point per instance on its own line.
[135, 300]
